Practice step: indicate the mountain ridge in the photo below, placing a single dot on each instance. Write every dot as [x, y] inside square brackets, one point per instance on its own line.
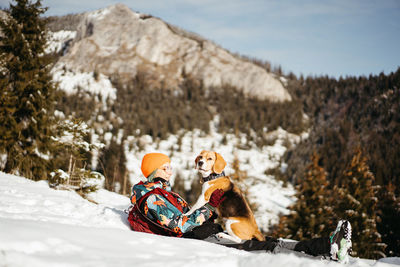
[118, 41]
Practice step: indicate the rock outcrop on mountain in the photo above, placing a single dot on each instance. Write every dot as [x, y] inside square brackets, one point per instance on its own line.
[117, 40]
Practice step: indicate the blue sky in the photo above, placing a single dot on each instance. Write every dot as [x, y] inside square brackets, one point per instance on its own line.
[309, 37]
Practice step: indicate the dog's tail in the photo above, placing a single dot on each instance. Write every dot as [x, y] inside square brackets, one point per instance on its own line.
[259, 236]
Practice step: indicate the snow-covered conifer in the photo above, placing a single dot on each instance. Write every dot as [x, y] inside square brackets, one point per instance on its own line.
[73, 141]
[27, 92]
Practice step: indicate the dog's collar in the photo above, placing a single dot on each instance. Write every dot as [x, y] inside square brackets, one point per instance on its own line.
[213, 176]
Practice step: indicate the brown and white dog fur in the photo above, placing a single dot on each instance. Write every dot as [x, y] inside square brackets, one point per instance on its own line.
[239, 219]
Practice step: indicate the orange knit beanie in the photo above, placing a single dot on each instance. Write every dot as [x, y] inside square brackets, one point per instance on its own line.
[153, 161]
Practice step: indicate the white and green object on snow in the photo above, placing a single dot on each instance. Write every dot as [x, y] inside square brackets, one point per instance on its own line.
[341, 242]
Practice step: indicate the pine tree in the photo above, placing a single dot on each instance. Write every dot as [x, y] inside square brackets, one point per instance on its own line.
[73, 148]
[357, 202]
[312, 214]
[27, 92]
[388, 225]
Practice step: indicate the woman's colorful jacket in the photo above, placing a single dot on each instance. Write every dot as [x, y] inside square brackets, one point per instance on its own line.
[158, 209]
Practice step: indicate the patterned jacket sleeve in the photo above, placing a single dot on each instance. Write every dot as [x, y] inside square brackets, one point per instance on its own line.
[163, 212]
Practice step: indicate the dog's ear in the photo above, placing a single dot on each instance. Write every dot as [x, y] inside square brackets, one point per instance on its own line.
[196, 160]
[219, 163]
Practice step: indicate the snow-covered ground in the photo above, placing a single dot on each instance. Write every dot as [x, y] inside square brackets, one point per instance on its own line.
[71, 82]
[42, 227]
[58, 41]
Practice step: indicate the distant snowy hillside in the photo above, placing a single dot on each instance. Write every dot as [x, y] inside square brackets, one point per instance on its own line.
[42, 227]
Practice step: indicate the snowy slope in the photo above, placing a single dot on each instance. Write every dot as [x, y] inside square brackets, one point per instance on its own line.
[43, 227]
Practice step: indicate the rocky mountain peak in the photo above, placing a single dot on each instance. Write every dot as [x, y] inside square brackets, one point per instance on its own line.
[117, 40]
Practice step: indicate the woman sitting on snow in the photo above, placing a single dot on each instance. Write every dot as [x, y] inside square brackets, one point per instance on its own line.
[156, 209]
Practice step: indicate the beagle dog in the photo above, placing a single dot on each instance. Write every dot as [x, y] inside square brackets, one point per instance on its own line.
[239, 219]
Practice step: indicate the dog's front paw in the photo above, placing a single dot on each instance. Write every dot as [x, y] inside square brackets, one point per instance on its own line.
[220, 235]
[225, 236]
